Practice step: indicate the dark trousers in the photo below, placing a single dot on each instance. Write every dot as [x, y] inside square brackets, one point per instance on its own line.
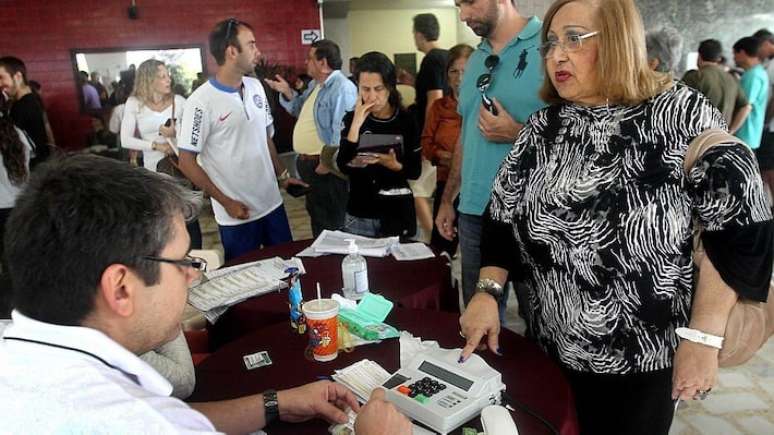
[326, 201]
[269, 230]
[195, 233]
[633, 404]
[436, 239]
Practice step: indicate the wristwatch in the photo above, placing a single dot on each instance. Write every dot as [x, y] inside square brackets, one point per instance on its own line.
[488, 285]
[281, 178]
[270, 405]
[700, 337]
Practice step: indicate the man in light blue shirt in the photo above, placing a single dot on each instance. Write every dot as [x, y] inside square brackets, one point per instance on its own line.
[320, 110]
[504, 73]
[755, 83]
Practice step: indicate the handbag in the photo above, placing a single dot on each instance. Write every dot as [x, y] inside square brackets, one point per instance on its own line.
[750, 323]
[398, 214]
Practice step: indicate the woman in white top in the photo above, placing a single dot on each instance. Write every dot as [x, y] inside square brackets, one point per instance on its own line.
[149, 121]
[14, 170]
[147, 111]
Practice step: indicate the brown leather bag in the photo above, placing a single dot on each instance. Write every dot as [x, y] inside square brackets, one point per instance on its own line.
[750, 323]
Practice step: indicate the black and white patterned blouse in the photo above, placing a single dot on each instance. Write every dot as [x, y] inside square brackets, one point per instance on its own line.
[601, 211]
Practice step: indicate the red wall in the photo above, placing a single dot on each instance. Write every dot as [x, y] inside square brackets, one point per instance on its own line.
[42, 33]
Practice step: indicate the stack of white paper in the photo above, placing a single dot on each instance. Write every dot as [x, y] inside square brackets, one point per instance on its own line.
[337, 242]
[228, 286]
[411, 251]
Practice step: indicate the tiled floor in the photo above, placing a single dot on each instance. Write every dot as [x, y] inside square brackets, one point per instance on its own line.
[742, 403]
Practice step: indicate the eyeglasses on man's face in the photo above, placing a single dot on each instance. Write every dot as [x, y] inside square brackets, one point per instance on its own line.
[188, 261]
[570, 44]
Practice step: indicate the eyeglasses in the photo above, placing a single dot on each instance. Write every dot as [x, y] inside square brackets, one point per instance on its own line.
[570, 44]
[484, 81]
[196, 263]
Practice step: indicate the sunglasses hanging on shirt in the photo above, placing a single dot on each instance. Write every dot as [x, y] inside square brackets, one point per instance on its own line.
[485, 81]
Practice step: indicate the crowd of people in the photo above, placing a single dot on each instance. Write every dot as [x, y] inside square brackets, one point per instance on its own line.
[553, 154]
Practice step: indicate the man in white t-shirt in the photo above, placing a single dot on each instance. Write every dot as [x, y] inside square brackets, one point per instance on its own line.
[227, 122]
[114, 286]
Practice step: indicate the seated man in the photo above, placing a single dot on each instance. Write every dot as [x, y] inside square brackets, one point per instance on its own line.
[101, 273]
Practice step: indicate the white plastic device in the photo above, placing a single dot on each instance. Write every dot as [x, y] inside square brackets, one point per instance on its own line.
[496, 420]
[441, 393]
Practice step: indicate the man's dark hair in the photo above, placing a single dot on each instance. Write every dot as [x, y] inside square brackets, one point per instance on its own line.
[711, 50]
[764, 35]
[14, 65]
[427, 25]
[223, 35]
[76, 217]
[749, 45]
[378, 63]
[328, 50]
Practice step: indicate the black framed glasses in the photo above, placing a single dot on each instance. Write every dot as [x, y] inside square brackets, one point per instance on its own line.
[570, 44]
[485, 80]
[196, 263]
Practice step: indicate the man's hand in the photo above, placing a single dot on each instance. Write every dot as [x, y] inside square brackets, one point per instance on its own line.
[444, 221]
[280, 85]
[236, 209]
[695, 369]
[480, 318]
[291, 181]
[501, 128]
[380, 417]
[323, 399]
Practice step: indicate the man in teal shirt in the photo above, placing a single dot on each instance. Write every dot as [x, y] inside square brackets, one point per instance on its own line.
[755, 83]
[499, 91]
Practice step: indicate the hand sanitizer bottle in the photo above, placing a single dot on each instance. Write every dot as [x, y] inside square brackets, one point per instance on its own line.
[354, 273]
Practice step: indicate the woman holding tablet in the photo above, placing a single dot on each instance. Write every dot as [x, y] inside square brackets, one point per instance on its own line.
[379, 152]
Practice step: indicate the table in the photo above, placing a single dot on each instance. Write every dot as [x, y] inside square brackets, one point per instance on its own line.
[421, 284]
[531, 377]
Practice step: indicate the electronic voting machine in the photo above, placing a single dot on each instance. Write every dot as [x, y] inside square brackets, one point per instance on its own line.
[437, 391]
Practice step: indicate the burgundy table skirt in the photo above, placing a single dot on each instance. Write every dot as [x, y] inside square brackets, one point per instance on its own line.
[420, 284]
[532, 379]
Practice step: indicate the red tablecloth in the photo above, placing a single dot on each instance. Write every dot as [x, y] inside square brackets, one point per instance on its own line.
[421, 284]
[532, 379]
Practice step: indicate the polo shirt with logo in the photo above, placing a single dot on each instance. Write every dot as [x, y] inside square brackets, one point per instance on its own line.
[516, 81]
[229, 131]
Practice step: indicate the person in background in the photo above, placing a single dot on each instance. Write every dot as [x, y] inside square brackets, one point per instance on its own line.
[430, 85]
[149, 122]
[720, 87]
[26, 111]
[352, 73]
[91, 100]
[765, 152]
[665, 48]
[380, 201]
[439, 137]
[227, 149]
[200, 79]
[15, 150]
[37, 89]
[317, 132]
[498, 92]
[593, 210]
[96, 81]
[755, 83]
[71, 350]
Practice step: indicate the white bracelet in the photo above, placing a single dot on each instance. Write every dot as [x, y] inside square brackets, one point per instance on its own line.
[700, 337]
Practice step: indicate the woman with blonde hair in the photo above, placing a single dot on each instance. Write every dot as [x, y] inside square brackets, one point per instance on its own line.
[593, 212]
[150, 114]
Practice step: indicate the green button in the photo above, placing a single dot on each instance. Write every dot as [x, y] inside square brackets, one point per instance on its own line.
[421, 398]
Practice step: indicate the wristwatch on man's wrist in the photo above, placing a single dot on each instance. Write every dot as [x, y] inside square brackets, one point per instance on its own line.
[284, 176]
[488, 285]
[270, 405]
[700, 337]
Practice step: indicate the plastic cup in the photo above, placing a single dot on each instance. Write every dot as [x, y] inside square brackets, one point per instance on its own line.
[322, 324]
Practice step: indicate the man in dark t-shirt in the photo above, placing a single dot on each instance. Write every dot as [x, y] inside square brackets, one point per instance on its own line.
[431, 79]
[26, 110]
